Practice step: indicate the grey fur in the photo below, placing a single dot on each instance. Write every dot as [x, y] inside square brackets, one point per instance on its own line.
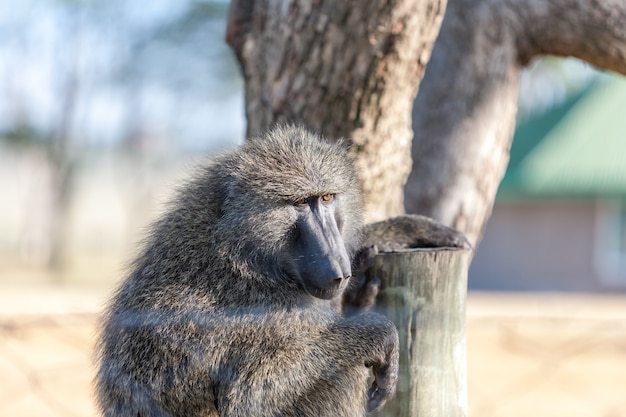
[209, 323]
[412, 231]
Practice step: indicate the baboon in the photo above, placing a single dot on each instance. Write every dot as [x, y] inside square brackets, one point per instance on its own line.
[231, 309]
[234, 305]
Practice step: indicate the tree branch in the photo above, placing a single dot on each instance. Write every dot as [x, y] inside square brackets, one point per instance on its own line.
[464, 115]
[464, 118]
[592, 30]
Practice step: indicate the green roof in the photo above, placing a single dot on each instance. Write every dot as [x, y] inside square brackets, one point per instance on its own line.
[576, 150]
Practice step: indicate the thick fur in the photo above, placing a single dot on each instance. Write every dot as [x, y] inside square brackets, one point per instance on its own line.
[412, 231]
[209, 321]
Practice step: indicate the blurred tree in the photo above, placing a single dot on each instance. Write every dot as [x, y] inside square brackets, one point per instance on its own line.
[345, 69]
[78, 75]
[464, 115]
[352, 69]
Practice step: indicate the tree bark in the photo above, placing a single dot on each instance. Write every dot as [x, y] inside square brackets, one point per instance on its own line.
[464, 115]
[592, 30]
[423, 292]
[344, 69]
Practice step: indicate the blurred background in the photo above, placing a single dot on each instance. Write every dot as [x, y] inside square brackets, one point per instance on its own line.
[102, 106]
[105, 106]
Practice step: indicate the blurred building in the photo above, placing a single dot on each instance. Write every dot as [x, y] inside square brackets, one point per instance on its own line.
[559, 223]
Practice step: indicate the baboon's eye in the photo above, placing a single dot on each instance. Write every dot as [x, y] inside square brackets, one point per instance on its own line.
[327, 197]
[301, 201]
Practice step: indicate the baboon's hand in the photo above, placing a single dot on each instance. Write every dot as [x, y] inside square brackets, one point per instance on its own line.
[362, 292]
[364, 259]
[385, 374]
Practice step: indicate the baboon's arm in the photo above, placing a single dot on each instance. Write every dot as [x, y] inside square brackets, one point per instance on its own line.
[412, 231]
[372, 340]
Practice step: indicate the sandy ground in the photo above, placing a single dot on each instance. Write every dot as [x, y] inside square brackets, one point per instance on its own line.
[528, 354]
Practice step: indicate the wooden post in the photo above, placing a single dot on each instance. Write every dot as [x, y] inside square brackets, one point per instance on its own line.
[423, 291]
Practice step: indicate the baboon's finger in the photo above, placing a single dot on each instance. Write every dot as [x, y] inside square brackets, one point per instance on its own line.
[376, 397]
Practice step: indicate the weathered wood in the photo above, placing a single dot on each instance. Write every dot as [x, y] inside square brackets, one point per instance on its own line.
[424, 292]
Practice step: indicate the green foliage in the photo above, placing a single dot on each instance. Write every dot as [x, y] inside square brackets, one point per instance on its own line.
[23, 135]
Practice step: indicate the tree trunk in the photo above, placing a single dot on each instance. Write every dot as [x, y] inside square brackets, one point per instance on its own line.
[464, 115]
[344, 69]
[62, 170]
[424, 292]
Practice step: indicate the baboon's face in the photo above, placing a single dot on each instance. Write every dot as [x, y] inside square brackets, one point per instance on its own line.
[320, 260]
[291, 210]
[301, 239]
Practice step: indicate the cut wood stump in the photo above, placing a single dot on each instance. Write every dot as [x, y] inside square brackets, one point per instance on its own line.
[424, 292]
